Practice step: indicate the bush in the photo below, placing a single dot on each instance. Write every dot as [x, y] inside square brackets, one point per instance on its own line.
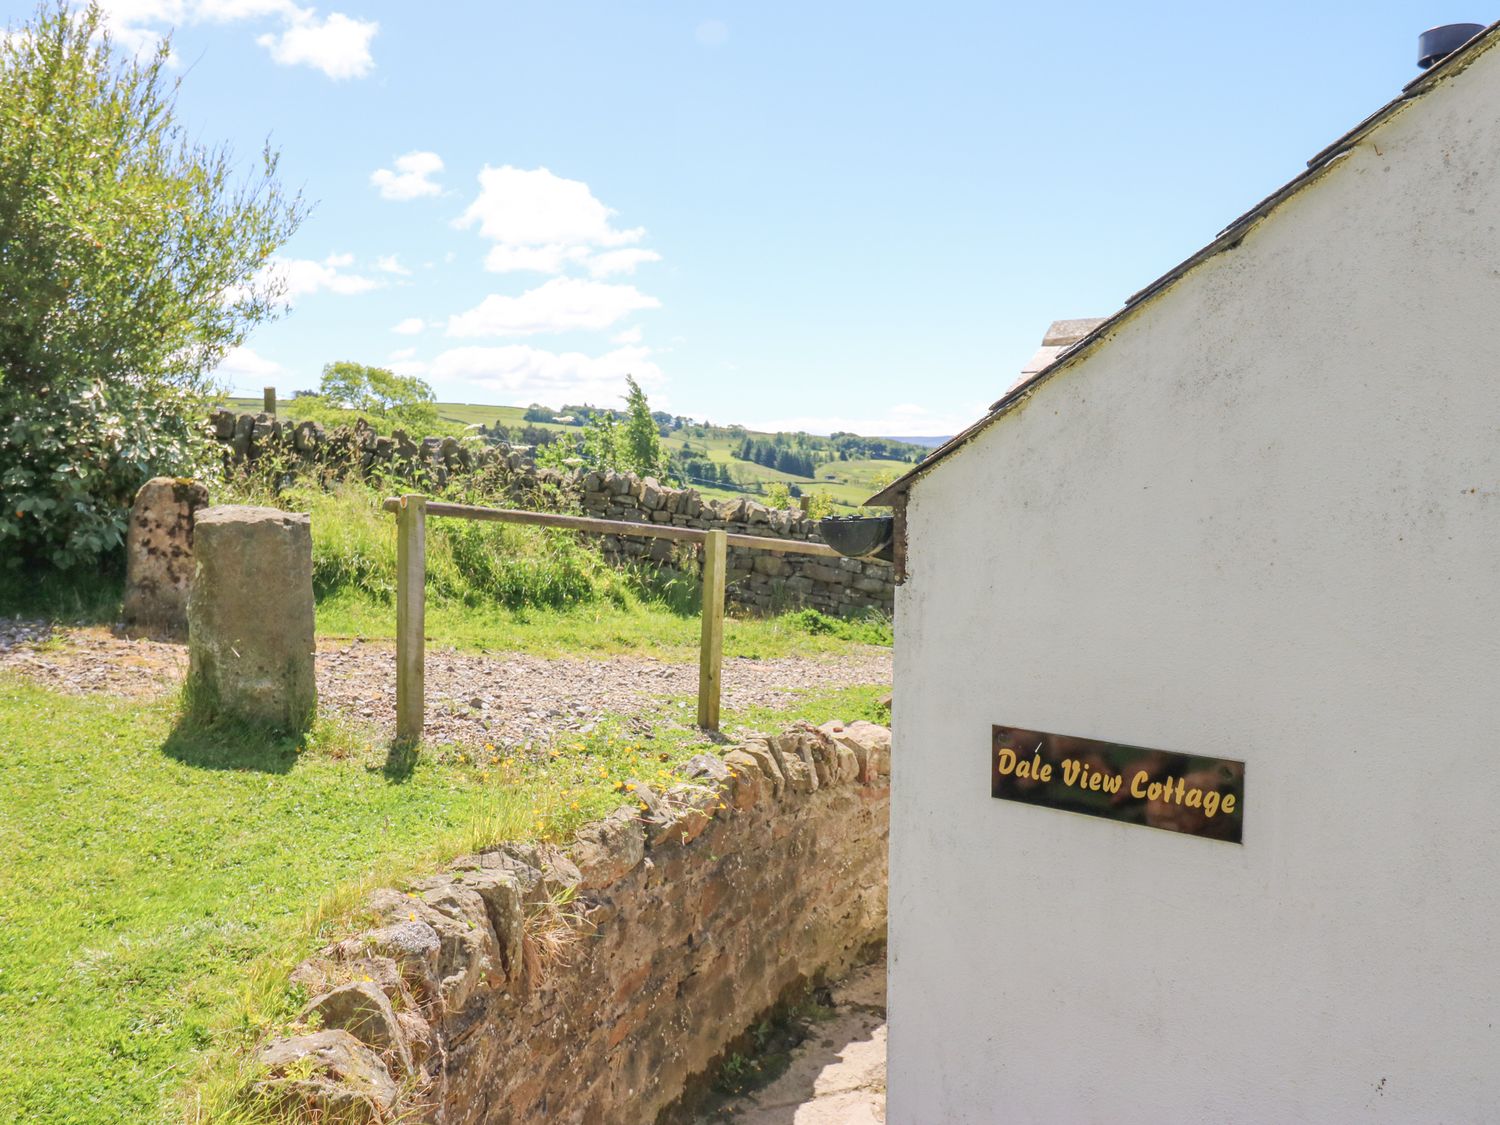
[873, 628]
[129, 265]
[71, 461]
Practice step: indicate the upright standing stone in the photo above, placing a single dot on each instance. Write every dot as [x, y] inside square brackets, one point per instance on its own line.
[250, 617]
[159, 553]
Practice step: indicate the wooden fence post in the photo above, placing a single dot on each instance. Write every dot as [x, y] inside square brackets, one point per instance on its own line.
[711, 653]
[411, 614]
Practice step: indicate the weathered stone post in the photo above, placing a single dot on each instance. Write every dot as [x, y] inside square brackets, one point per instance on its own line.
[159, 553]
[268, 401]
[250, 617]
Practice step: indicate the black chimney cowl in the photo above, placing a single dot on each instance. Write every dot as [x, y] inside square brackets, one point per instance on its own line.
[1437, 44]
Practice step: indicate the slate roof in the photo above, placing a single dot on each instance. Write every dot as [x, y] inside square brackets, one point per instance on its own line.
[1227, 239]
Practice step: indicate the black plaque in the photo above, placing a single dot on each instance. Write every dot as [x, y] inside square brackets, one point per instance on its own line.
[1189, 793]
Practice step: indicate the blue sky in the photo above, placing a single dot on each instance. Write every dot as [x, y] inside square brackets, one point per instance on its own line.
[813, 215]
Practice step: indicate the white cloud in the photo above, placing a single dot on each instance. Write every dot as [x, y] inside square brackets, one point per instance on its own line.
[303, 276]
[339, 45]
[389, 263]
[411, 179]
[229, 11]
[562, 304]
[904, 419]
[517, 207]
[241, 365]
[401, 355]
[129, 22]
[521, 373]
[411, 326]
[629, 336]
[505, 258]
[620, 261]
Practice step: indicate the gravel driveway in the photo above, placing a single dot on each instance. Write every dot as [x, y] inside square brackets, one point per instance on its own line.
[471, 698]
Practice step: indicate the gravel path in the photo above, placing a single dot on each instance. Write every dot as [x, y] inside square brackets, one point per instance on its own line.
[471, 699]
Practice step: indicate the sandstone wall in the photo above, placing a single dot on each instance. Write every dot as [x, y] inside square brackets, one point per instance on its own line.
[757, 579]
[697, 910]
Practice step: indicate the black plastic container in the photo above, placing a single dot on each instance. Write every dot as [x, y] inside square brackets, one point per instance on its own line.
[859, 537]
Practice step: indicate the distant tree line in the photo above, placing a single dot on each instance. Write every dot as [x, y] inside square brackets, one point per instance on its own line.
[783, 458]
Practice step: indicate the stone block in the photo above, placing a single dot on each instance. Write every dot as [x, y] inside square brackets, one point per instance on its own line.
[332, 1074]
[767, 563]
[610, 848]
[364, 1011]
[159, 553]
[505, 901]
[250, 617]
[817, 572]
[746, 779]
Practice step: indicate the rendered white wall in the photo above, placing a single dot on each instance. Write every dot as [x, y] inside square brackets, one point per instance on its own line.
[1263, 523]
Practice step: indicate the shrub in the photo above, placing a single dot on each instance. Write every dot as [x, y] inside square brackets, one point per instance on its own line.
[129, 265]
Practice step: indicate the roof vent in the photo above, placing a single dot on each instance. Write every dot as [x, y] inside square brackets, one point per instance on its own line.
[1436, 45]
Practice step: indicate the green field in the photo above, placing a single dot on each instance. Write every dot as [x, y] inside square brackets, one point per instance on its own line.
[847, 483]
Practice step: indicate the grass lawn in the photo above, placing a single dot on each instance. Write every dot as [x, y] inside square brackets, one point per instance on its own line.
[650, 628]
[157, 884]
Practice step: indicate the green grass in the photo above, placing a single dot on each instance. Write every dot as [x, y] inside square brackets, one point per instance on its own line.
[157, 883]
[145, 869]
[644, 627]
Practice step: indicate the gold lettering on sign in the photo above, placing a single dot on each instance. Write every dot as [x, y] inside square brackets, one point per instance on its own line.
[1195, 794]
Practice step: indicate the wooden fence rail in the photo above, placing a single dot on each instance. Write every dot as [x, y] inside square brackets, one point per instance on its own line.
[411, 513]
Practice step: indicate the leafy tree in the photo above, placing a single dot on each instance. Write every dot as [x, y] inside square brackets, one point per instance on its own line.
[131, 261]
[819, 505]
[601, 441]
[639, 450]
[405, 400]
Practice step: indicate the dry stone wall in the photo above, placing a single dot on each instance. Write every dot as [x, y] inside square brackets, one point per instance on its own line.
[757, 579]
[690, 914]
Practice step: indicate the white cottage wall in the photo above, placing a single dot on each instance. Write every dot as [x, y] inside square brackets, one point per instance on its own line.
[1262, 522]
